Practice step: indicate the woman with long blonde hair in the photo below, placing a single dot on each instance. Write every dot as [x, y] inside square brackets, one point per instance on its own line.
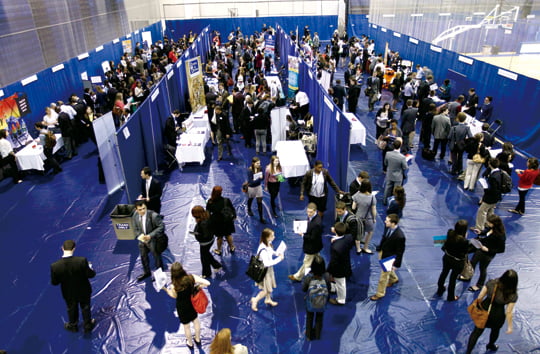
[222, 344]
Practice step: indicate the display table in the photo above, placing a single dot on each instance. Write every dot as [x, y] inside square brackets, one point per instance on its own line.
[358, 131]
[32, 157]
[292, 158]
[474, 124]
[198, 119]
[190, 148]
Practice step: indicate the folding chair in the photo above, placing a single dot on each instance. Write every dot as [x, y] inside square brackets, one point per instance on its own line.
[170, 153]
[495, 126]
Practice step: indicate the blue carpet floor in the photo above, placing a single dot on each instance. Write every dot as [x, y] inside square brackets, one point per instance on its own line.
[43, 211]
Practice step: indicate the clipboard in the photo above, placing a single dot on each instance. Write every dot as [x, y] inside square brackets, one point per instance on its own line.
[387, 263]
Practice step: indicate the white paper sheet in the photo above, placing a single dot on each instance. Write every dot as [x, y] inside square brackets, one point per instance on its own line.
[160, 279]
[281, 248]
[300, 226]
[483, 183]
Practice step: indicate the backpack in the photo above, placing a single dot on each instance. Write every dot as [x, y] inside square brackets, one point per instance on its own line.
[506, 182]
[227, 212]
[317, 295]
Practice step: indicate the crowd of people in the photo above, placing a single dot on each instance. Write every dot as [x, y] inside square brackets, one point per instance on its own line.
[246, 96]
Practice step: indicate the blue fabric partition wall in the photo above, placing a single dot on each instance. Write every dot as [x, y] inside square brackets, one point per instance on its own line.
[516, 98]
[332, 135]
[324, 25]
[144, 145]
[132, 155]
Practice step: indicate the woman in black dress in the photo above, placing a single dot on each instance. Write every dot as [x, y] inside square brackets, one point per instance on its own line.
[181, 290]
[494, 242]
[455, 253]
[505, 289]
[222, 216]
[205, 237]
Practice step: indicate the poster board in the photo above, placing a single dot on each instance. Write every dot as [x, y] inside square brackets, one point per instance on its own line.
[195, 83]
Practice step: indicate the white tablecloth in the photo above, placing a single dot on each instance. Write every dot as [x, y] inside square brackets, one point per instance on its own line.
[292, 158]
[190, 148]
[358, 131]
[474, 124]
[32, 157]
[200, 119]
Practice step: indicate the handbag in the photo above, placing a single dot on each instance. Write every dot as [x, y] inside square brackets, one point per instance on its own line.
[256, 269]
[477, 158]
[477, 312]
[245, 186]
[199, 300]
[467, 272]
[381, 143]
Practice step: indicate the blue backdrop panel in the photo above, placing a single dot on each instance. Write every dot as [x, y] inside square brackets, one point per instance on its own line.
[144, 116]
[324, 25]
[173, 88]
[514, 96]
[132, 155]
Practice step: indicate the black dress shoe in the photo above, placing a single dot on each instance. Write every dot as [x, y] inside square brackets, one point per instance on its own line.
[71, 327]
[143, 276]
[90, 326]
[492, 347]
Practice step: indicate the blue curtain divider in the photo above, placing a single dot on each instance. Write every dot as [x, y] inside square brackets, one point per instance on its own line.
[132, 155]
[515, 97]
[332, 135]
[324, 25]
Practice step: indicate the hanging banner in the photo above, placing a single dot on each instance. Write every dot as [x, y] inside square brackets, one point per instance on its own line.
[293, 75]
[195, 84]
[269, 44]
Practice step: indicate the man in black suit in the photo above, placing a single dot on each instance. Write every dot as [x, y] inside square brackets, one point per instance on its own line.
[456, 142]
[72, 273]
[408, 124]
[392, 244]
[150, 190]
[492, 195]
[339, 93]
[312, 241]
[150, 232]
[355, 184]
[340, 261]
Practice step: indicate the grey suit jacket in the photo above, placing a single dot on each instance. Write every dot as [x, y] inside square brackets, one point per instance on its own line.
[440, 126]
[396, 165]
[154, 224]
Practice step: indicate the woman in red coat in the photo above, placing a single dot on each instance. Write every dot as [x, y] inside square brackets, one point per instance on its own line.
[526, 180]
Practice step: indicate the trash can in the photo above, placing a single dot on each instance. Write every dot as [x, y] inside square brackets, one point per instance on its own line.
[121, 218]
[486, 50]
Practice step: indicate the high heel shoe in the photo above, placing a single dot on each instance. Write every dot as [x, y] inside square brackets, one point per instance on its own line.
[270, 302]
[197, 342]
[190, 346]
[254, 304]
[492, 347]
